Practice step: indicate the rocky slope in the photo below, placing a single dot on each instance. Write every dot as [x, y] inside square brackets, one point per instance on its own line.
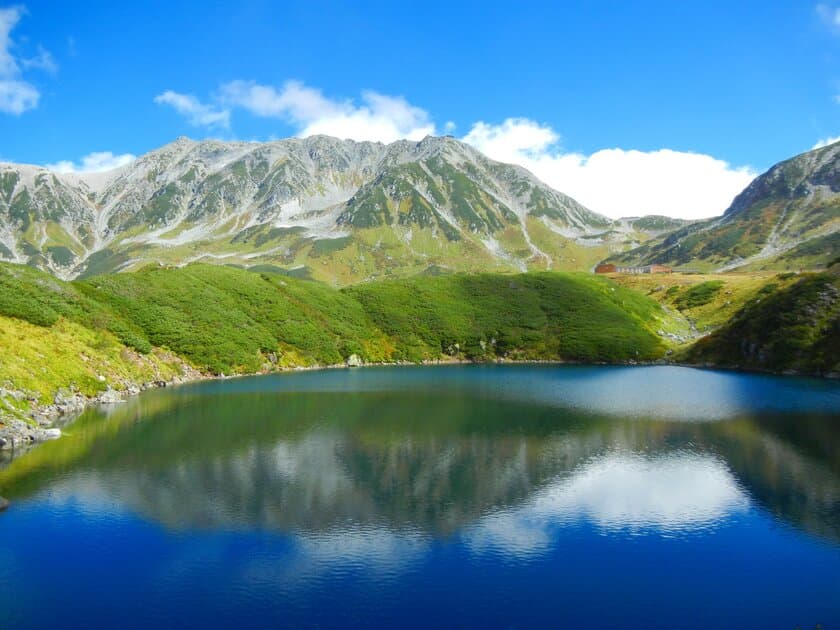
[787, 218]
[336, 210]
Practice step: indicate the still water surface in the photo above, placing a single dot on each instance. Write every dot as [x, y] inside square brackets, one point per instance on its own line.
[447, 496]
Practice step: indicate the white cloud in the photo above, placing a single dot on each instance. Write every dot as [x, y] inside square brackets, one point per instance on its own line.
[96, 162]
[616, 182]
[16, 94]
[295, 100]
[379, 118]
[825, 142]
[197, 113]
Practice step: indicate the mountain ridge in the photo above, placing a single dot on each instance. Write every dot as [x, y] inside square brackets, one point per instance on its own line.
[786, 218]
[338, 210]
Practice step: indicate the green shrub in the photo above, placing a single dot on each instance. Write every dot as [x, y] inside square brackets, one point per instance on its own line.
[796, 327]
[225, 319]
[699, 295]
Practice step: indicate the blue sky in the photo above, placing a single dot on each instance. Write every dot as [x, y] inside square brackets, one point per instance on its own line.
[622, 105]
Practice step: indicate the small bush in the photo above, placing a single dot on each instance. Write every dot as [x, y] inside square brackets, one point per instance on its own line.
[699, 295]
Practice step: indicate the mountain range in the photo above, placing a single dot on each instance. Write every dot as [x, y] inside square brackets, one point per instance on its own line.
[335, 210]
[343, 212]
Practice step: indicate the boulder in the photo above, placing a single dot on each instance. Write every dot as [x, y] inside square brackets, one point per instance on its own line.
[51, 434]
[4, 503]
[110, 396]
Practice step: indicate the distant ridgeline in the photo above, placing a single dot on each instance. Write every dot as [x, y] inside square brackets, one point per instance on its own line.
[343, 212]
[333, 210]
[115, 330]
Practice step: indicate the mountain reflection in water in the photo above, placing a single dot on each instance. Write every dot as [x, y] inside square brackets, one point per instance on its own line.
[434, 461]
[375, 469]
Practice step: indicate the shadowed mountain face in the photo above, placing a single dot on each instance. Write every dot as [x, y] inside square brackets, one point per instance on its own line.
[492, 465]
[787, 218]
[796, 328]
[331, 209]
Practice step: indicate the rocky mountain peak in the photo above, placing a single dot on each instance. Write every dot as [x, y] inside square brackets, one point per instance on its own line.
[338, 209]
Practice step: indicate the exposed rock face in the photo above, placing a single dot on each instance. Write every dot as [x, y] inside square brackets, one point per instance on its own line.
[303, 204]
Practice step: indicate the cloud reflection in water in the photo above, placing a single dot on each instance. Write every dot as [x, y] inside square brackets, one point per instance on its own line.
[619, 492]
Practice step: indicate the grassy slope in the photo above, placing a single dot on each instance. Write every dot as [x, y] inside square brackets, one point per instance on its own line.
[528, 316]
[224, 320]
[42, 360]
[757, 320]
[792, 328]
[693, 297]
[53, 338]
[137, 327]
[228, 320]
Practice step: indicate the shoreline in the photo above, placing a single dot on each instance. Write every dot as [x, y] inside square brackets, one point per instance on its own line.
[18, 434]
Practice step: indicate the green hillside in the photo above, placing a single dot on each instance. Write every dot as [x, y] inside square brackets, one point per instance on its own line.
[792, 328]
[526, 316]
[116, 330]
[120, 331]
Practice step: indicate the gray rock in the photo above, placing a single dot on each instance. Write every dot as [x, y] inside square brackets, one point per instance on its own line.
[354, 360]
[4, 503]
[110, 396]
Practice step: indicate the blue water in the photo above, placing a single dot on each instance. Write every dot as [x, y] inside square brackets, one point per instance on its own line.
[449, 496]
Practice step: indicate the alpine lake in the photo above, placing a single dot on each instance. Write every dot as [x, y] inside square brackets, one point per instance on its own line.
[446, 496]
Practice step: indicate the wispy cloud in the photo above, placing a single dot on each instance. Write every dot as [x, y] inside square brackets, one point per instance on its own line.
[825, 142]
[616, 182]
[197, 113]
[96, 162]
[377, 117]
[43, 60]
[17, 94]
[829, 15]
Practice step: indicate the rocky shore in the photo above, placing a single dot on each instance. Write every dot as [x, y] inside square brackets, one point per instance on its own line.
[16, 433]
